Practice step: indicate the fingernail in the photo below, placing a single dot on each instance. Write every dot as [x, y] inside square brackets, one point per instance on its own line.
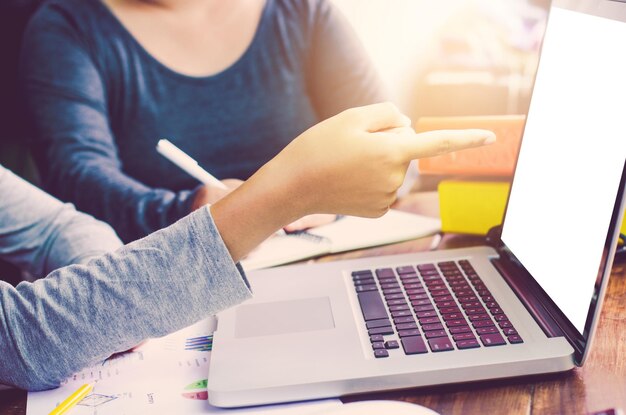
[491, 138]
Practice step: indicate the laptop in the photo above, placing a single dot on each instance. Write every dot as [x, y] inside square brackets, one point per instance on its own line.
[526, 304]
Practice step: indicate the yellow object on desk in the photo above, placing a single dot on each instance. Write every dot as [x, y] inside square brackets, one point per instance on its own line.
[471, 207]
[72, 400]
[474, 207]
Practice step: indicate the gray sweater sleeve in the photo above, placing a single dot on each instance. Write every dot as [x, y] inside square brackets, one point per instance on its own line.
[39, 234]
[81, 314]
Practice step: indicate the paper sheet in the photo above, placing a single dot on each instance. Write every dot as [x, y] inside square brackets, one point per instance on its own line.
[345, 234]
[159, 377]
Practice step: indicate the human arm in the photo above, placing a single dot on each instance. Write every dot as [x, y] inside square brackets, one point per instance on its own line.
[350, 164]
[75, 150]
[81, 314]
[39, 234]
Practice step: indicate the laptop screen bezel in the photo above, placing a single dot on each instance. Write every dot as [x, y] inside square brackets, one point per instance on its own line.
[580, 342]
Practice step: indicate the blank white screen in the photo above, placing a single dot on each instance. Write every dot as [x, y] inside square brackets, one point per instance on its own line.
[571, 158]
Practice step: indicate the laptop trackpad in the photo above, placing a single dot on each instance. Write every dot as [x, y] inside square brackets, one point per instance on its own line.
[267, 319]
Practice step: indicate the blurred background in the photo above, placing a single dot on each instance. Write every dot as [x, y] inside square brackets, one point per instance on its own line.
[452, 57]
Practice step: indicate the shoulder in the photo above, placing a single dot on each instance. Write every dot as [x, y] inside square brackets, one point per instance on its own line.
[306, 13]
[81, 21]
[75, 14]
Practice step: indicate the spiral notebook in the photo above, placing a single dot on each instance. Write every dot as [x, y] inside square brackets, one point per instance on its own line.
[345, 234]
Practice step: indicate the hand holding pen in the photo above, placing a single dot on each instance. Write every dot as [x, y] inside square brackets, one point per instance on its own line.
[214, 189]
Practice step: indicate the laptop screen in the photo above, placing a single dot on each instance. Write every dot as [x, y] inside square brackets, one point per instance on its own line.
[572, 156]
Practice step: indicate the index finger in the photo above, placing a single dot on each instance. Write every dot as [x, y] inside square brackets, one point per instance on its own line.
[434, 143]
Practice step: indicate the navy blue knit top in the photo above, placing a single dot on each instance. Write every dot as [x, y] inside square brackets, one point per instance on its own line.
[99, 102]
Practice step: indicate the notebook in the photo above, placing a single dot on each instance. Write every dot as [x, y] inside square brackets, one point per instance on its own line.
[345, 234]
[526, 303]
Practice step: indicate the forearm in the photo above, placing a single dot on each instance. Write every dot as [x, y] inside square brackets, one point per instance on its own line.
[82, 314]
[256, 210]
[39, 234]
[100, 188]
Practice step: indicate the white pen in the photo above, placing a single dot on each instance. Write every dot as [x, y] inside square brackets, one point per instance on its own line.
[190, 166]
[187, 164]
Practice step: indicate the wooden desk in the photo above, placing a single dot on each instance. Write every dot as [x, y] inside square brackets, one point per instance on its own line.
[600, 384]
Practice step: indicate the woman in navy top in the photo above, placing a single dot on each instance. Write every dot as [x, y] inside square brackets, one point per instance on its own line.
[229, 82]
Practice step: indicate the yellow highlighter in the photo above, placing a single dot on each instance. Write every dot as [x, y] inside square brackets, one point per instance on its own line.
[72, 400]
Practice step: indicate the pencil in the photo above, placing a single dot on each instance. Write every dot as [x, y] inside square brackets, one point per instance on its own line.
[72, 400]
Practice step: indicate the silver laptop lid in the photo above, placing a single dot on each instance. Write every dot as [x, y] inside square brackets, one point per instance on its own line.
[566, 201]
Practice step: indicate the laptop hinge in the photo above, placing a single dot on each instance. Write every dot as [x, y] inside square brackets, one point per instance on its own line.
[513, 273]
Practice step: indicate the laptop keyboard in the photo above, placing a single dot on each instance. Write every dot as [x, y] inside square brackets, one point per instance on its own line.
[431, 307]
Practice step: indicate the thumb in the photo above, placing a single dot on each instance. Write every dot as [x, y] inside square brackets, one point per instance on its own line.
[382, 116]
[434, 143]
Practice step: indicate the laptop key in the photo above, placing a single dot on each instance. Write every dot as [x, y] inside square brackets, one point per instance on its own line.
[482, 323]
[515, 339]
[452, 316]
[435, 333]
[398, 301]
[460, 329]
[430, 327]
[455, 323]
[385, 273]
[413, 345]
[408, 333]
[401, 320]
[467, 344]
[407, 269]
[476, 317]
[425, 301]
[429, 320]
[448, 310]
[423, 314]
[380, 330]
[378, 345]
[376, 338]
[440, 344]
[421, 308]
[486, 330]
[398, 307]
[401, 313]
[381, 353]
[367, 287]
[492, 339]
[389, 285]
[392, 344]
[372, 305]
[406, 326]
[383, 322]
[365, 281]
[463, 336]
